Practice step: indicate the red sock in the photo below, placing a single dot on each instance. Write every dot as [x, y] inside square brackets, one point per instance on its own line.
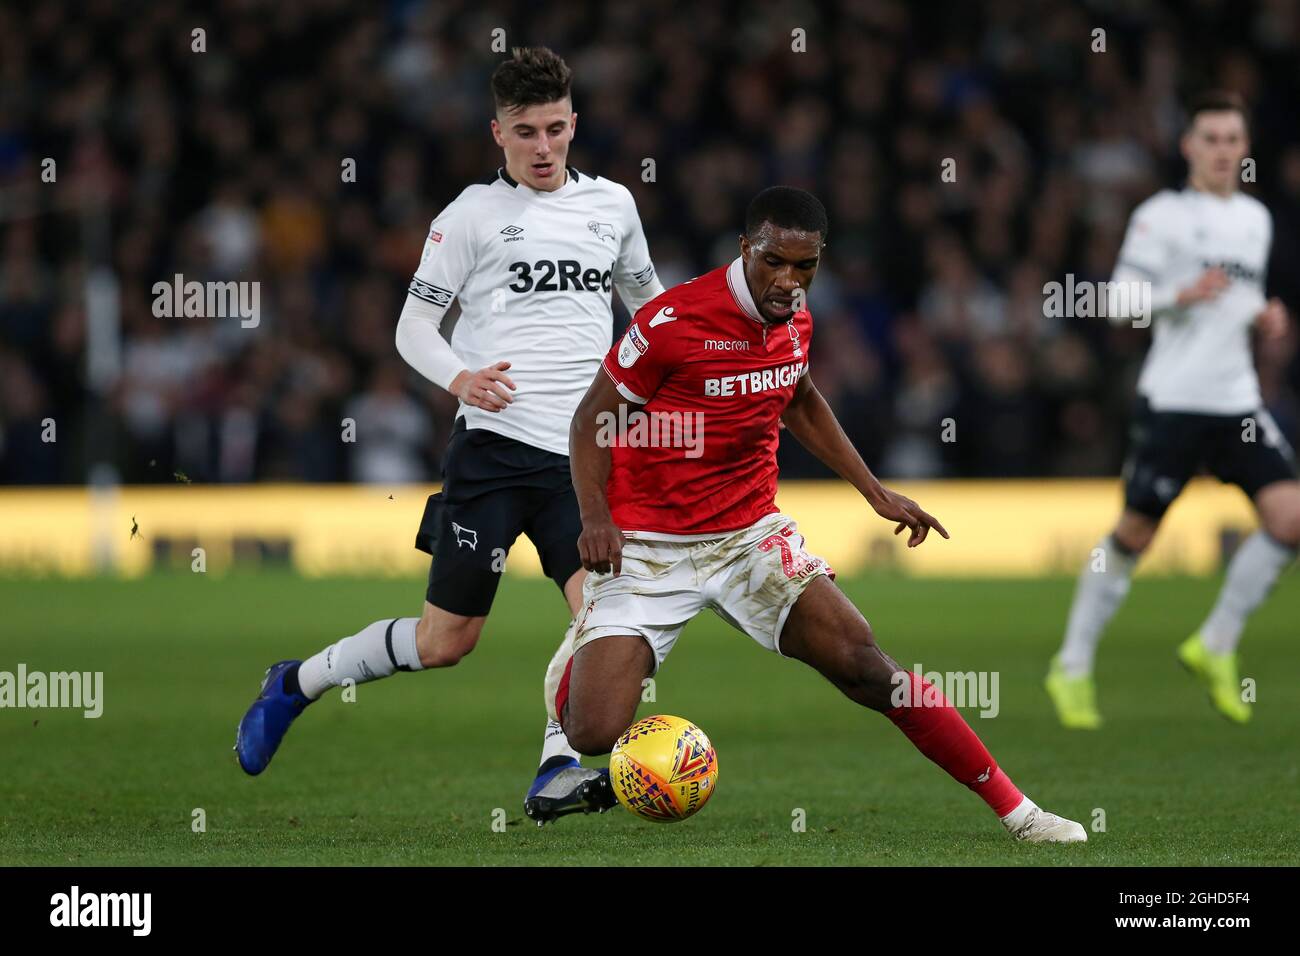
[937, 730]
[562, 692]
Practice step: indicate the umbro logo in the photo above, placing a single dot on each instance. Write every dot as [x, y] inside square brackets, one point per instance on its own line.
[512, 233]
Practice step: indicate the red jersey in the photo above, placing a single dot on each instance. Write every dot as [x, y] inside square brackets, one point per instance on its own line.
[713, 378]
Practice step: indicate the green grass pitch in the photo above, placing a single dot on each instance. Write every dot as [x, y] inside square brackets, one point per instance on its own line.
[412, 772]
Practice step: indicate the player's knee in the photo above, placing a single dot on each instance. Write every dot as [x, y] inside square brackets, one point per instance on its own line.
[1285, 530]
[590, 739]
[1283, 525]
[591, 735]
[867, 671]
[445, 644]
[1134, 534]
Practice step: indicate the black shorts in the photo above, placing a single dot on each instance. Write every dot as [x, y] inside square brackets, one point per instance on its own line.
[493, 488]
[1166, 449]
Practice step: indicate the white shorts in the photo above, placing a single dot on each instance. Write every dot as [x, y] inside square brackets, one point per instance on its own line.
[750, 578]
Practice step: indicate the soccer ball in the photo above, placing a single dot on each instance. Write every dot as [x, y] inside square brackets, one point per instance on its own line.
[663, 768]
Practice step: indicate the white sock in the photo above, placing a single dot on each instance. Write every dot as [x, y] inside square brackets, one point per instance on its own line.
[1014, 820]
[376, 651]
[1103, 585]
[1253, 571]
[556, 744]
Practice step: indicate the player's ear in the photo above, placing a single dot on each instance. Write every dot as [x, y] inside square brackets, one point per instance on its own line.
[496, 132]
[573, 125]
[744, 247]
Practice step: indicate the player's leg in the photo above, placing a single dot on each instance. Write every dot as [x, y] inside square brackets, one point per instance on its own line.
[1102, 586]
[593, 701]
[554, 742]
[824, 630]
[438, 638]
[560, 784]
[628, 625]
[553, 527]
[599, 700]
[468, 528]
[1164, 453]
[377, 650]
[1264, 467]
[765, 584]
[468, 553]
[1255, 567]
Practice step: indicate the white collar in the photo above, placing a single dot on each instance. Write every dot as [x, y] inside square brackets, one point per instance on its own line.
[571, 177]
[1206, 194]
[740, 290]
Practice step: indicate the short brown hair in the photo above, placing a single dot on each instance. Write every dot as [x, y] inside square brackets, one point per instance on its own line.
[1217, 101]
[531, 76]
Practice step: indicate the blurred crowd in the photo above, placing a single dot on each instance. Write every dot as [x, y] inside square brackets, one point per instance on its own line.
[931, 340]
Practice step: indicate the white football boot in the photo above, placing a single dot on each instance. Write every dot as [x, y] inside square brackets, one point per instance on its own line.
[1030, 823]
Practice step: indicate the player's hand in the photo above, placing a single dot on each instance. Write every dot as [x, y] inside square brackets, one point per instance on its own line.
[1272, 320]
[1208, 285]
[601, 545]
[486, 388]
[908, 514]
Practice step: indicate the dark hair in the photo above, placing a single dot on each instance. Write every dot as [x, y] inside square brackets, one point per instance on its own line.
[1216, 101]
[787, 207]
[532, 75]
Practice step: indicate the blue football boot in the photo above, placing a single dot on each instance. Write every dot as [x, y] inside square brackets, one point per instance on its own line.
[268, 720]
[564, 786]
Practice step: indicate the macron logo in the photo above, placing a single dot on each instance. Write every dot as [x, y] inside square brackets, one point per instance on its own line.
[665, 315]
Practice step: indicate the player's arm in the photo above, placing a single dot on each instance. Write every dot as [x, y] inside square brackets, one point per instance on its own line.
[600, 546]
[631, 374]
[634, 274]
[810, 419]
[1272, 320]
[449, 257]
[1144, 258]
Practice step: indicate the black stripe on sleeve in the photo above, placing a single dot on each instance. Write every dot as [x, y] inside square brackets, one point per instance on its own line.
[431, 293]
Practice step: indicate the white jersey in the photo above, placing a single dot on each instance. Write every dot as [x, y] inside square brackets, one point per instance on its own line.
[534, 271]
[1200, 358]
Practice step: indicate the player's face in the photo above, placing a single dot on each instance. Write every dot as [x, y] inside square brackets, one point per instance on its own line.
[1214, 148]
[779, 267]
[536, 142]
